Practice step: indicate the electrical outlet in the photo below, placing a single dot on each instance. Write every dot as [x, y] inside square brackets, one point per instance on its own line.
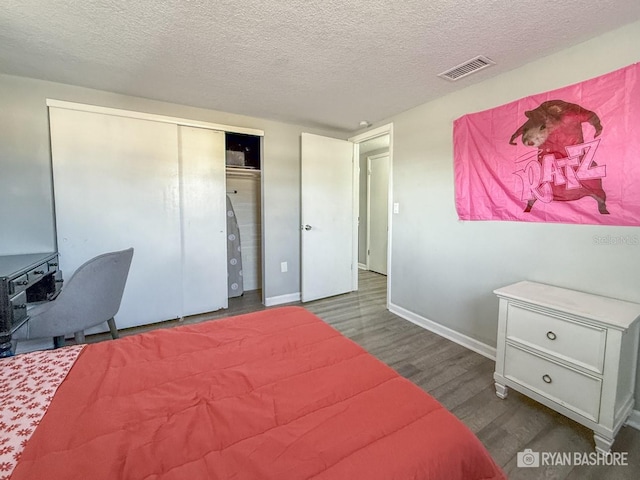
[396, 208]
[284, 268]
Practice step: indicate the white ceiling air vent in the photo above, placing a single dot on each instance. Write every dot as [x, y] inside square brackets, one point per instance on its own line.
[467, 68]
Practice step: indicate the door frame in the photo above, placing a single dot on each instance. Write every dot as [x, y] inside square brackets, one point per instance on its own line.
[368, 239]
[357, 140]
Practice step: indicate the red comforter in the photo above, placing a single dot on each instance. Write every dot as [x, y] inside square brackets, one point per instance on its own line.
[277, 394]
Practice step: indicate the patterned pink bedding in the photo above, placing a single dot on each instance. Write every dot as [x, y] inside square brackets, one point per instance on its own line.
[29, 383]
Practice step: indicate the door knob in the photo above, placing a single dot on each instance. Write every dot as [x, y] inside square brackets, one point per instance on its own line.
[307, 227]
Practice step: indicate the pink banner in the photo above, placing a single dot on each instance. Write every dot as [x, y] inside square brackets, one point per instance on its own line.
[568, 156]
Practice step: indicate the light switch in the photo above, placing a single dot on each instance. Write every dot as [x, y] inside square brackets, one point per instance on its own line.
[284, 267]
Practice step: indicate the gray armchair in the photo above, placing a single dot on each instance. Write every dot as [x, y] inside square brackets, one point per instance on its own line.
[90, 297]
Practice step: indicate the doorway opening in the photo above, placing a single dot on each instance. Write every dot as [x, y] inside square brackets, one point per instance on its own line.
[330, 205]
[244, 213]
[373, 210]
[373, 197]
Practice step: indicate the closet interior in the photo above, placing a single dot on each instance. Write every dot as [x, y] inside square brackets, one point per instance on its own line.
[244, 224]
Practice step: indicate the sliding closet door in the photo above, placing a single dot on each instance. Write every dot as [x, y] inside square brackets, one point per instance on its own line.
[116, 183]
[204, 224]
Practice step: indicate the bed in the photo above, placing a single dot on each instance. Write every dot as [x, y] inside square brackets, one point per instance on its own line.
[276, 394]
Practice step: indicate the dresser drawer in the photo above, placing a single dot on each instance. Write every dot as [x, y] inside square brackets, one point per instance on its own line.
[18, 306]
[57, 284]
[30, 278]
[35, 274]
[19, 284]
[571, 341]
[52, 264]
[570, 388]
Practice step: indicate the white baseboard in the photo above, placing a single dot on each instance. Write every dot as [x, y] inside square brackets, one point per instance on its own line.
[279, 300]
[362, 266]
[634, 419]
[457, 337]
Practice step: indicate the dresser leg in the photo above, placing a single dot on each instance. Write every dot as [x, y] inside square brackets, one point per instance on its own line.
[603, 444]
[501, 390]
[5, 346]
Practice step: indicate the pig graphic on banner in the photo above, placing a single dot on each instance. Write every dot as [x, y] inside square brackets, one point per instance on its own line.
[563, 168]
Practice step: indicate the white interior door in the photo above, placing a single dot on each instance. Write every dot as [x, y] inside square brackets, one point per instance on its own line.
[327, 216]
[116, 186]
[203, 220]
[378, 221]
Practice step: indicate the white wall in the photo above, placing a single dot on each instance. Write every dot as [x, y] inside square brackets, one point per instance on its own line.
[445, 270]
[26, 196]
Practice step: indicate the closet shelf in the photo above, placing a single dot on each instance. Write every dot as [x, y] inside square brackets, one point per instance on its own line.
[242, 172]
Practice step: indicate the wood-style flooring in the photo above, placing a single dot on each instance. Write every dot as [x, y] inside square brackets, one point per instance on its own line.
[458, 378]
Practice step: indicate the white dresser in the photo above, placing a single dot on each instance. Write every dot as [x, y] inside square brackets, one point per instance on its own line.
[571, 351]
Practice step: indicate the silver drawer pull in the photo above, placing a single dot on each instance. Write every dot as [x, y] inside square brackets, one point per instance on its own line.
[546, 378]
[22, 282]
[20, 306]
[52, 264]
[38, 272]
[551, 335]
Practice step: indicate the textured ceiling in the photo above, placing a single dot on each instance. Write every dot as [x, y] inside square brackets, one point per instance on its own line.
[322, 63]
